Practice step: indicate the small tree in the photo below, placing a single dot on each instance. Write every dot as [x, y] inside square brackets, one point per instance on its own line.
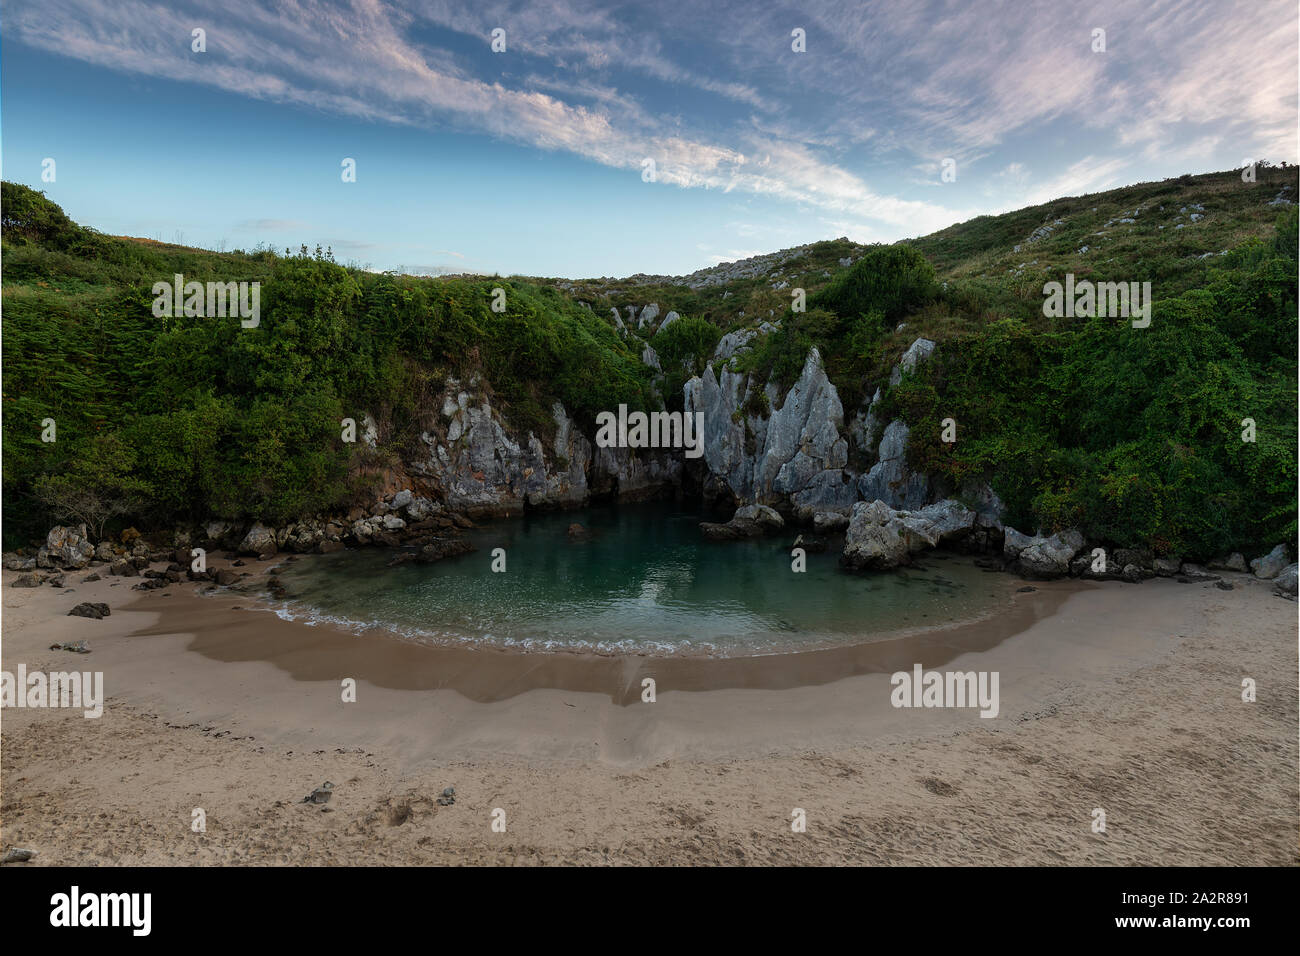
[97, 487]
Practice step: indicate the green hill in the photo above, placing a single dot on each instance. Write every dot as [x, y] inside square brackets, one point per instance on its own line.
[1133, 435]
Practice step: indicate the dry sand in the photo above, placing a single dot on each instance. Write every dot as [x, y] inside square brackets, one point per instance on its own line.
[1114, 696]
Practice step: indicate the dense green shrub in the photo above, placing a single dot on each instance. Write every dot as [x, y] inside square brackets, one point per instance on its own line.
[890, 281]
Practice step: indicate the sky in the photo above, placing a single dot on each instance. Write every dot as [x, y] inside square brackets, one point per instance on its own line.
[532, 160]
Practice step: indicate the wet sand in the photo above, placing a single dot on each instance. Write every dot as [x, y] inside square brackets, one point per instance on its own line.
[1112, 695]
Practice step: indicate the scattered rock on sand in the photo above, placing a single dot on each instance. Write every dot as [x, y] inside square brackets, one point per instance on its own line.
[448, 797]
[16, 855]
[321, 794]
[95, 610]
[32, 579]
[76, 647]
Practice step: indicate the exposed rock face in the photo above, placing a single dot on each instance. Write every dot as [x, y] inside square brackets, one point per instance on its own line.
[1270, 565]
[890, 480]
[477, 467]
[651, 358]
[669, 319]
[796, 454]
[733, 343]
[797, 457]
[917, 352]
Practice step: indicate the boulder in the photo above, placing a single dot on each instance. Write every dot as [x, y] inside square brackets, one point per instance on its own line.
[259, 540]
[765, 517]
[1014, 542]
[97, 611]
[32, 579]
[225, 577]
[951, 519]
[1270, 565]
[1050, 557]
[1285, 582]
[734, 530]
[444, 548]
[917, 352]
[876, 539]
[1233, 562]
[1166, 567]
[1197, 573]
[124, 567]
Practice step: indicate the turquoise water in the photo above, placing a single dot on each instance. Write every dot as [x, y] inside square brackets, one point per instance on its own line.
[645, 581]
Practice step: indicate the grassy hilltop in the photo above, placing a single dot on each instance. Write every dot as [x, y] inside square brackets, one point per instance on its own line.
[1132, 435]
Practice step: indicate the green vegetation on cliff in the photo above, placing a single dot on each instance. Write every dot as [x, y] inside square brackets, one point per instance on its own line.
[1132, 435]
[183, 418]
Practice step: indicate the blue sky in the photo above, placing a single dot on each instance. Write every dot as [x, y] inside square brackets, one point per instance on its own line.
[530, 161]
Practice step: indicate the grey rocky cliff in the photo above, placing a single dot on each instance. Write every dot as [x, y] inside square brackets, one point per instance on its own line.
[474, 465]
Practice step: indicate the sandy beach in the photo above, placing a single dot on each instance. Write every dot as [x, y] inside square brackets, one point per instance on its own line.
[1114, 696]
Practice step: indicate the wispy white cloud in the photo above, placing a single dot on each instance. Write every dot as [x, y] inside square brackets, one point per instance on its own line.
[847, 131]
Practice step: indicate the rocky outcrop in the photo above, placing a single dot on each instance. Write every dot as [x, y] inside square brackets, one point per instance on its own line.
[917, 352]
[474, 465]
[794, 455]
[669, 319]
